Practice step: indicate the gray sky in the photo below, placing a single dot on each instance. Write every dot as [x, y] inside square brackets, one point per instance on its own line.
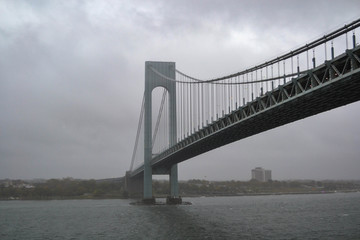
[72, 78]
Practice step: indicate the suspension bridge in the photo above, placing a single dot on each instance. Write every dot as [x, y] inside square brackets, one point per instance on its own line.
[194, 115]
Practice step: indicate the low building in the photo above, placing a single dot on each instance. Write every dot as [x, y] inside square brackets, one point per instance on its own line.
[260, 174]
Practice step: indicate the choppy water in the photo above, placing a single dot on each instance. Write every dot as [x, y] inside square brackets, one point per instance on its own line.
[321, 216]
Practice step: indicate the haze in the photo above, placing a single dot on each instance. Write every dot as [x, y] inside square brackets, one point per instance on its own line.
[72, 79]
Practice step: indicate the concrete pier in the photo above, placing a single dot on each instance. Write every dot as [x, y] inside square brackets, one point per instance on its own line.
[173, 200]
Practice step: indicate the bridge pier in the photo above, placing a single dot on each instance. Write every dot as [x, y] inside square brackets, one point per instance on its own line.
[173, 200]
[174, 197]
[173, 178]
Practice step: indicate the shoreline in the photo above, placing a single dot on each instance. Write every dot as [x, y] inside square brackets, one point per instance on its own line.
[184, 196]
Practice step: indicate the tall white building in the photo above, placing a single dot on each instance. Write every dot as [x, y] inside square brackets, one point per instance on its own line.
[261, 174]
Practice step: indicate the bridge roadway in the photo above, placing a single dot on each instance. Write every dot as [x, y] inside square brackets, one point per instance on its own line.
[330, 85]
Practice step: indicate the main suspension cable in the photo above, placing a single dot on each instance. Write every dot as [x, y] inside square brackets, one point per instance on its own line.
[138, 132]
[197, 81]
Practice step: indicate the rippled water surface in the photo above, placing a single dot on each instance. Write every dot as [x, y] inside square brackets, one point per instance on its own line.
[320, 216]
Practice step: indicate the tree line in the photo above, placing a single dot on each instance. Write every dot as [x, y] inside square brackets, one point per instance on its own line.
[65, 188]
[68, 188]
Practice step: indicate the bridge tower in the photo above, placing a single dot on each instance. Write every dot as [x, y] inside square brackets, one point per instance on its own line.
[153, 80]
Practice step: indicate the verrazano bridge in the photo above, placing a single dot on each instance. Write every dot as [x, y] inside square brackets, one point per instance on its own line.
[196, 115]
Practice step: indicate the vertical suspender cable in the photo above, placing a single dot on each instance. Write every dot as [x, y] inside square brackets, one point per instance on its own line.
[243, 90]
[325, 51]
[307, 59]
[298, 66]
[252, 89]
[279, 74]
[198, 111]
[212, 101]
[346, 39]
[202, 104]
[267, 76]
[191, 107]
[284, 72]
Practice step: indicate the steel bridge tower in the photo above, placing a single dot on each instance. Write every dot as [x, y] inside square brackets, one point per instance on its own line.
[152, 81]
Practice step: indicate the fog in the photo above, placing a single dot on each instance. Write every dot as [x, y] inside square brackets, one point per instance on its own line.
[72, 79]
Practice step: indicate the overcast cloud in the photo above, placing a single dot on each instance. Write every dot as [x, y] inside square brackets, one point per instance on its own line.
[72, 78]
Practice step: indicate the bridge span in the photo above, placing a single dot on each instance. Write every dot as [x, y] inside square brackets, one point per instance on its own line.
[201, 121]
[305, 96]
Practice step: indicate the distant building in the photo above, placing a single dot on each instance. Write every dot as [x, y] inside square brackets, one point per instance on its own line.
[267, 175]
[260, 174]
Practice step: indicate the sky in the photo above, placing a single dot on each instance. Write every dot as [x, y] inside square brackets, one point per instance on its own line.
[72, 80]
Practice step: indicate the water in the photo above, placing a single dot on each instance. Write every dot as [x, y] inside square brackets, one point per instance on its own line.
[320, 216]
